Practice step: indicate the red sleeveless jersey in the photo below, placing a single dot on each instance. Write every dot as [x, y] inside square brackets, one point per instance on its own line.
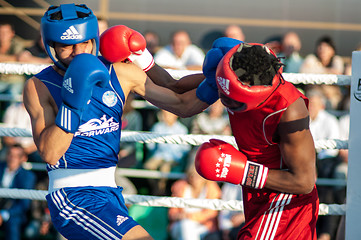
[270, 214]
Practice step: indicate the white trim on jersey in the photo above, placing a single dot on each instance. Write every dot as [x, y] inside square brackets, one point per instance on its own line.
[264, 123]
[111, 85]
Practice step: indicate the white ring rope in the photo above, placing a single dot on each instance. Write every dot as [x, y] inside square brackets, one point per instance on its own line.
[189, 139]
[21, 68]
[153, 201]
[295, 78]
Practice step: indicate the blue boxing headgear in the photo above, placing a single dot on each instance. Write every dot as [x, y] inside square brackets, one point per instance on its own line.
[68, 24]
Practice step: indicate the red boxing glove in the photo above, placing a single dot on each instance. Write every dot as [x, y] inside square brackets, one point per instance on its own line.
[119, 43]
[220, 161]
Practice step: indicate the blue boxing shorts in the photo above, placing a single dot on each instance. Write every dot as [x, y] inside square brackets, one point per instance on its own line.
[90, 212]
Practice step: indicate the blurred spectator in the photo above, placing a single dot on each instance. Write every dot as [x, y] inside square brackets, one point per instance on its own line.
[234, 31]
[130, 153]
[16, 116]
[10, 47]
[290, 52]
[341, 168]
[341, 172]
[13, 212]
[348, 67]
[132, 120]
[344, 123]
[193, 223]
[35, 54]
[152, 39]
[229, 222]
[40, 226]
[180, 54]
[163, 156]
[324, 126]
[274, 43]
[213, 121]
[102, 24]
[324, 60]
[334, 98]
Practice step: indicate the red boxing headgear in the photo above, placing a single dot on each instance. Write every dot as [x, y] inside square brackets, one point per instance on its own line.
[229, 84]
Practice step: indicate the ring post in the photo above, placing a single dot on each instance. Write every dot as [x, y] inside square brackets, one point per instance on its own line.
[353, 210]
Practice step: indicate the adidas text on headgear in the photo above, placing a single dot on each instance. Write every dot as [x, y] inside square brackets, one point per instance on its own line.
[68, 24]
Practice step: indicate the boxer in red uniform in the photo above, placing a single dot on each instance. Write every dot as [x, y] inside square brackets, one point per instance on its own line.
[275, 163]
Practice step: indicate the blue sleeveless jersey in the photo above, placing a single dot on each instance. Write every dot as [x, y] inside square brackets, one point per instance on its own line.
[96, 143]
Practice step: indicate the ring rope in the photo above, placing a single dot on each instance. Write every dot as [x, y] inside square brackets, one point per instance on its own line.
[21, 68]
[188, 139]
[176, 202]
[295, 78]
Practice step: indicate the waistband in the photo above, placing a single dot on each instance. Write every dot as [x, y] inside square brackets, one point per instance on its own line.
[61, 178]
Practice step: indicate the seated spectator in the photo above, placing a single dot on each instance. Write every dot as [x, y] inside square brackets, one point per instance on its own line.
[164, 157]
[229, 222]
[341, 173]
[324, 60]
[16, 116]
[152, 39]
[13, 212]
[234, 31]
[334, 98]
[348, 65]
[40, 226]
[130, 153]
[290, 52]
[132, 120]
[35, 54]
[193, 223]
[213, 121]
[341, 169]
[324, 125]
[10, 47]
[180, 54]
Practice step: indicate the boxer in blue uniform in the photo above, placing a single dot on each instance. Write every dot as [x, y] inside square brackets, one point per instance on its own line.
[84, 201]
[76, 107]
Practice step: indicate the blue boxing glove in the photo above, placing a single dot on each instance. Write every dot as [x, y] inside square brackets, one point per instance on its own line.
[207, 91]
[84, 72]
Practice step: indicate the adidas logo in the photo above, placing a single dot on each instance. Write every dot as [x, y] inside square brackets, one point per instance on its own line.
[71, 33]
[224, 84]
[67, 85]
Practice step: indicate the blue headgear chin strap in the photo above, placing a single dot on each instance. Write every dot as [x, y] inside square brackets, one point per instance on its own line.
[70, 29]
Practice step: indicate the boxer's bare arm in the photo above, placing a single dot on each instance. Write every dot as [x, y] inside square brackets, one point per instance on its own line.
[298, 152]
[162, 78]
[132, 78]
[51, 141]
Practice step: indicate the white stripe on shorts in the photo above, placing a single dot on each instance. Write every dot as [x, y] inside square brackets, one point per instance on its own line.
[88, 221]
[268, 229]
